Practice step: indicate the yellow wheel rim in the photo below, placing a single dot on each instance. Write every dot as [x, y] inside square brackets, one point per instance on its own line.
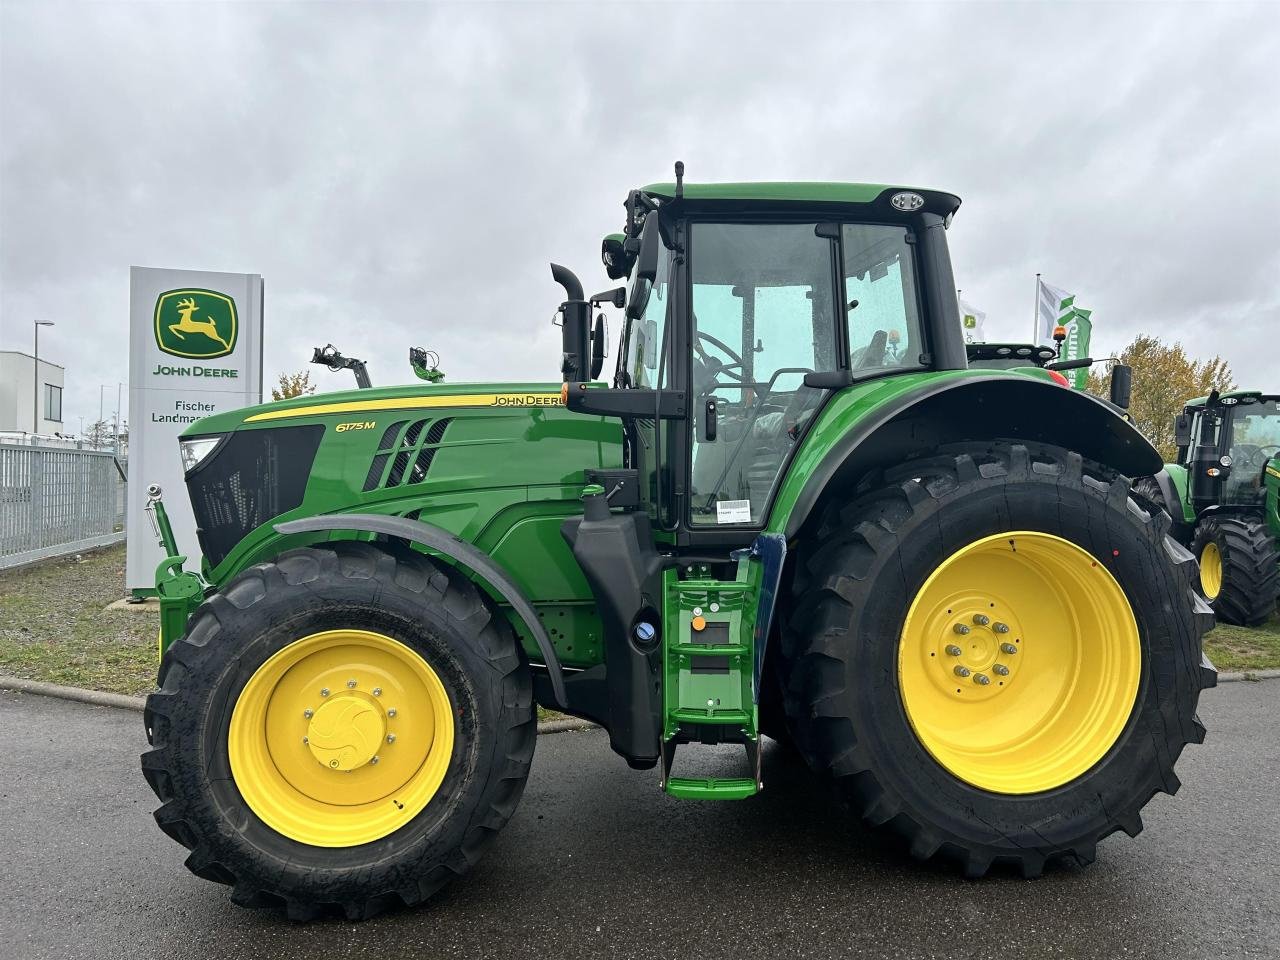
[1019, 662]
[341, 738]
[1211, 570]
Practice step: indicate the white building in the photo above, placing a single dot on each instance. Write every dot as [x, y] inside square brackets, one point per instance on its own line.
[18, 391]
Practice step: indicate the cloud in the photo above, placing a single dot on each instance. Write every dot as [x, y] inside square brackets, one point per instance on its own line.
[402, 173]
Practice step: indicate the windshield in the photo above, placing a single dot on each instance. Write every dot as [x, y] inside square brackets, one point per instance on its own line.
[1255, 439]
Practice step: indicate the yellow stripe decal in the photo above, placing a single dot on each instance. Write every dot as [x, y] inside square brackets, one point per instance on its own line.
[415, 403]
[1273, 471]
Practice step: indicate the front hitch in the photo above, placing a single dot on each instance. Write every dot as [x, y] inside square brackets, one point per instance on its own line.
[180, 591]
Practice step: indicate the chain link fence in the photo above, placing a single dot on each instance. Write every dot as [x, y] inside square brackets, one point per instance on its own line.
[57, 500]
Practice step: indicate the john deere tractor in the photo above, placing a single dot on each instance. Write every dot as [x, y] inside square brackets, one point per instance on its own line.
[792, 511]
[1224, 495]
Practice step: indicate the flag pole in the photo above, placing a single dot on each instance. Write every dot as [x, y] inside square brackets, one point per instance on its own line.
[1035, 314]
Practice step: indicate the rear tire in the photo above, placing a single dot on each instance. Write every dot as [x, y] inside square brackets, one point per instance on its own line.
[1238, 565]
[432, 615]
[857, 575]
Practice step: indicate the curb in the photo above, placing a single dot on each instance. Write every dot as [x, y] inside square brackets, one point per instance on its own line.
[1251, 675]
[118, 700]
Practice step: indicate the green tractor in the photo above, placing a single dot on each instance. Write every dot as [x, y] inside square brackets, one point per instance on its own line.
[1224, 495]
[792, 512]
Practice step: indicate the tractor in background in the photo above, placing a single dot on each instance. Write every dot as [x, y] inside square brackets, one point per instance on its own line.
[1223, 493]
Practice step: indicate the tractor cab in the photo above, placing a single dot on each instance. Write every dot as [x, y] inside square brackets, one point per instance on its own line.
[1227, 443]
[746, 307]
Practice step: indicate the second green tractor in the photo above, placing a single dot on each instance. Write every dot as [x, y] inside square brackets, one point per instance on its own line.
[1223, 492]
[791, 511]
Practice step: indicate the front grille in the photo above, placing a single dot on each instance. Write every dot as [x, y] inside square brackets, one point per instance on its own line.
[405, 453]
[254, 476]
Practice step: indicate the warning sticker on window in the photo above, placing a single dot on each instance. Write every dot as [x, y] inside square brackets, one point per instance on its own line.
[733, 511]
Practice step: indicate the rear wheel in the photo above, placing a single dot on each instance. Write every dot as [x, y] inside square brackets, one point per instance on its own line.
[971, 650]
[344, 728]
[1238, 572]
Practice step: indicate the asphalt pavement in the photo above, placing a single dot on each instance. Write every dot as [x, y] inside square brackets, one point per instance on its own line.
[599, 863]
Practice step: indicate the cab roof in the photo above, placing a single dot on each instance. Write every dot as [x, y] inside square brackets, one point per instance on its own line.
[774, 193]
[1235, 394]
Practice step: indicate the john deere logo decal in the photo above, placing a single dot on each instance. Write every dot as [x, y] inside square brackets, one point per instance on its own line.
[196, 323]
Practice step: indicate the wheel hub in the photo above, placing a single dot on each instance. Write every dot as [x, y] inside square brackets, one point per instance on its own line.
[1019, 662]
[346, 731]
[978, 640]
[341, 737]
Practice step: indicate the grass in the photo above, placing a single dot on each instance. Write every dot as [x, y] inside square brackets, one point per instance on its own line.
[53, 628]
[1245, 648]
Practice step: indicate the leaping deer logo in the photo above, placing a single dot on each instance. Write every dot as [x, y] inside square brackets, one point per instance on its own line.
[188, 324]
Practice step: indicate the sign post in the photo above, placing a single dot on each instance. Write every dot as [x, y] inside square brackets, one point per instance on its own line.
[195, 348]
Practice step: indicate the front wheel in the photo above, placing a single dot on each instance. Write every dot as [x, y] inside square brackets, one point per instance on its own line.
[996, 653]
[1238, 572]
[341, 729]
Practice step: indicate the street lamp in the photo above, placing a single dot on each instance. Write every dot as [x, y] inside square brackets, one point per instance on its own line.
[35, 389]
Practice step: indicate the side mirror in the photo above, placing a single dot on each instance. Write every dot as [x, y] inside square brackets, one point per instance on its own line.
[1182, 430]
[617, 262]
[1121, 385]
[599, 345]
[646, 270]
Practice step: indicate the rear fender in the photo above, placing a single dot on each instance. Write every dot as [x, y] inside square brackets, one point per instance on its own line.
[966, 407]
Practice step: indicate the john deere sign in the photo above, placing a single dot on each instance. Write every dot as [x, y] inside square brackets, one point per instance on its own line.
[195, 348]
[200, 324]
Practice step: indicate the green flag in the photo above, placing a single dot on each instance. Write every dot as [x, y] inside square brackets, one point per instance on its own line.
[1079, 329]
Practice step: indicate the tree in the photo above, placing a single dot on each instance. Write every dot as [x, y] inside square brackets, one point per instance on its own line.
[100, 434]
[1164, 379]
[293, 385]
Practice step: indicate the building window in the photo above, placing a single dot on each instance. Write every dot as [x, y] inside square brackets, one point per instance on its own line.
[53, 403]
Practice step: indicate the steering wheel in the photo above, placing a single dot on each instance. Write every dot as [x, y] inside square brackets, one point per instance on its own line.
[717, 365]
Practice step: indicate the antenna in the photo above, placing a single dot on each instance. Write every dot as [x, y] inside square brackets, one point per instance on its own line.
[679, 179]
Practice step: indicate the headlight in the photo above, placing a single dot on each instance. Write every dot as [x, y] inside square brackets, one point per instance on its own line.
[1225, 461]
[195, 450]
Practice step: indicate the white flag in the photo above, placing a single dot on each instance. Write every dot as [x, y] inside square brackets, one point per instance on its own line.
[1052, 305]
[972, 320]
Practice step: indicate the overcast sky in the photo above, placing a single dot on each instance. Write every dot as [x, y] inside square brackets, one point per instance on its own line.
[401, 173]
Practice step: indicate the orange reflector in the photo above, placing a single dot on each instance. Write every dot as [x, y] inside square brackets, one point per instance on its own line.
[1059, 378]
[698, 623]
[564, 393]
[1059, 332]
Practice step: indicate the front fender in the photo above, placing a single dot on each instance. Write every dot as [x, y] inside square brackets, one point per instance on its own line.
[879, 423]
[455, 549]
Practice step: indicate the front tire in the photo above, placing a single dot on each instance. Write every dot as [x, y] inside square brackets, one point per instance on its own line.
[342, 729]
[1238, 572]
[1106, 633]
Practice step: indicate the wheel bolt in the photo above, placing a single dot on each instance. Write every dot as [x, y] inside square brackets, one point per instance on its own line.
[377, 691]
[324, 691]
[961, 671]
[1008, 648]
[961, 628]
[953, 650]
[306, 740]
[391, 738]
[999, 627]
[391, 712]
[981, 619]
[374, 758]
[1000, 670]
[351, 684]
[308, 713]
[981, 679]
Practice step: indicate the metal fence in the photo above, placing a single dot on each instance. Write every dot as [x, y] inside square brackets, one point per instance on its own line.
[56, 500]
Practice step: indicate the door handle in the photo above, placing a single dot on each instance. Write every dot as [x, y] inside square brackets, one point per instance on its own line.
[709, 420]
